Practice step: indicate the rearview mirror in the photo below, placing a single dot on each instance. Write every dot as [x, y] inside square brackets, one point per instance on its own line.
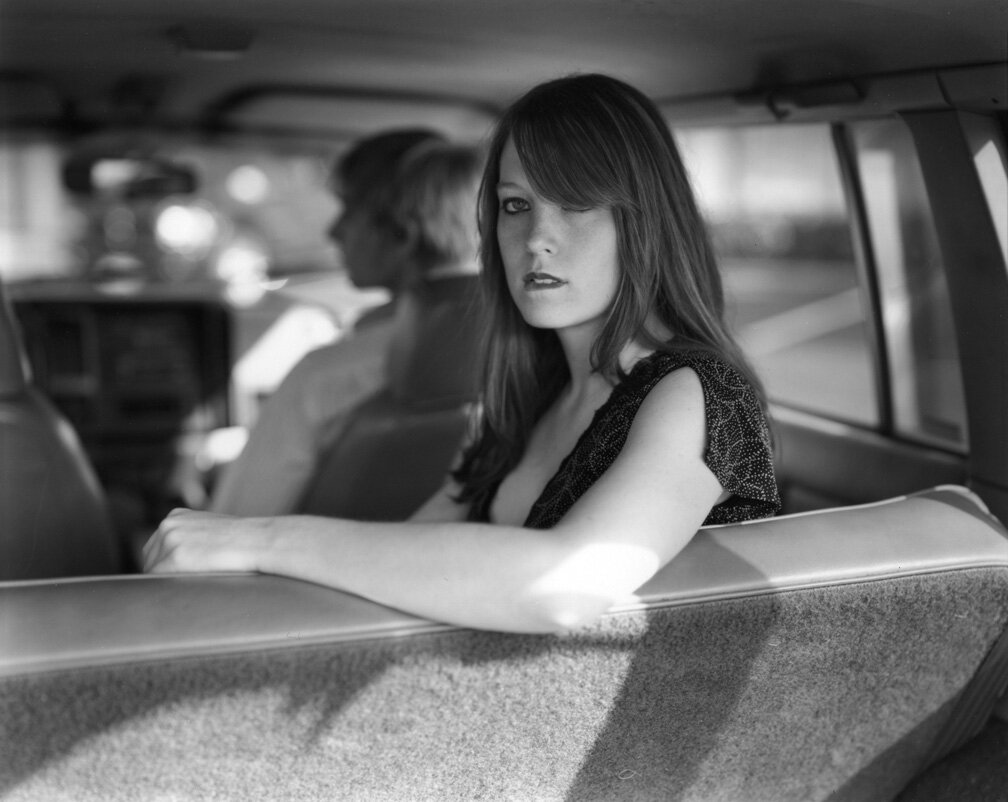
[127, 176]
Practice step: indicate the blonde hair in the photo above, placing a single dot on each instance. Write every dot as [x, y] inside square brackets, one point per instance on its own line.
[434, 201]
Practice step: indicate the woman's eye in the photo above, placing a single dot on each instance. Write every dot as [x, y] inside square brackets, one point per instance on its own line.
[514, 205]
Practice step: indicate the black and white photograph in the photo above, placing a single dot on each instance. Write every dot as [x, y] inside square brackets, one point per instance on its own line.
[504, 400]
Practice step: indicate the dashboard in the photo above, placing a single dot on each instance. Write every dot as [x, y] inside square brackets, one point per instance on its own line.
[143, 381]
[119, 368]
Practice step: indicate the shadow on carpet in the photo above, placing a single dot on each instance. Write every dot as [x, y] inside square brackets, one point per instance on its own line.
[976, 773]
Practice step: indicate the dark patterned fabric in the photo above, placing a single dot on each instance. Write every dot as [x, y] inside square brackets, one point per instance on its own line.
[739, 452]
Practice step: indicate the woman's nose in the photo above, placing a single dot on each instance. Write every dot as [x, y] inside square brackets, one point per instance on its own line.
[543, 232]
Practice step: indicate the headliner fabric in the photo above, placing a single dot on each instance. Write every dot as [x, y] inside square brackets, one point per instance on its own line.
[832, 693]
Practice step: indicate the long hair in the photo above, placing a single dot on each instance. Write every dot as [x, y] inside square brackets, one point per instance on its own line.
[591, 141]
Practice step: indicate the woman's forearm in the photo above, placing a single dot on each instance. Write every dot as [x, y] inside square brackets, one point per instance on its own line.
[480, 575]
[469, 574]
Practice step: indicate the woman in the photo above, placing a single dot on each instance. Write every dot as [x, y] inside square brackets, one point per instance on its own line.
[606, 344]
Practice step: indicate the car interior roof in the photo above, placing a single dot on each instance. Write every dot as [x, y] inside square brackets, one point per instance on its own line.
[175, 64]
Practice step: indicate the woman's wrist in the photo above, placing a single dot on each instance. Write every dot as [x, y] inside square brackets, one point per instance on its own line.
[263, 544]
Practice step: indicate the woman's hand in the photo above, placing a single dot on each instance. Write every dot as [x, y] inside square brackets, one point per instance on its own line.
[190, 541]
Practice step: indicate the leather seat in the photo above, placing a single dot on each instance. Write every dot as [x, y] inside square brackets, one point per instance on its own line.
[54, 521]
[395, 448]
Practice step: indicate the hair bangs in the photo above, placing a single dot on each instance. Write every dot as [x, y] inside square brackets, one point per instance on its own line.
[566, 163]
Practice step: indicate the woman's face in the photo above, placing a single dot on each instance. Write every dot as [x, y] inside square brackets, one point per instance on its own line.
[561, 264]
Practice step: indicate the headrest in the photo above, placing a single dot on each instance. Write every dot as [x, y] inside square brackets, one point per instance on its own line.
[433, 358]
[14, 373]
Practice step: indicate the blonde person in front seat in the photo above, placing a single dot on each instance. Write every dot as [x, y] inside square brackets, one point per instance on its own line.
[304, 414]
[617, 415]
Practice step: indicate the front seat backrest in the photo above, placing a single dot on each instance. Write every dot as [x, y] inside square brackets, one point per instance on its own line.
[396, 446]
[53, 518]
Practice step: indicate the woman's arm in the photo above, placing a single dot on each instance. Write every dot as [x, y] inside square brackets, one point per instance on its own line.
[631, 522]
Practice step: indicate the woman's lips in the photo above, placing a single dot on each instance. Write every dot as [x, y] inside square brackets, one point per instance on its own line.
[541, 281]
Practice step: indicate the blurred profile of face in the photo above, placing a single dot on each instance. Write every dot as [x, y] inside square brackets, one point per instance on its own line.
[371, 252]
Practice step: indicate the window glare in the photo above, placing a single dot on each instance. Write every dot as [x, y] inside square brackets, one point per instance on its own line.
[39, 227]
[992, 168]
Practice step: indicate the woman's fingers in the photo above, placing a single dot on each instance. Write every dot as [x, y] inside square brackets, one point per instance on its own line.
[190, 541]
[154, 548]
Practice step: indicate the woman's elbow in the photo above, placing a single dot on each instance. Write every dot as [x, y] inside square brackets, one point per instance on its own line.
[566, 612]
[587, 582]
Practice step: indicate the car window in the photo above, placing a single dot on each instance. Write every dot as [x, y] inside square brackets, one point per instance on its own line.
[39, 224]
[257, 211]
[774, 200]
[925, 382]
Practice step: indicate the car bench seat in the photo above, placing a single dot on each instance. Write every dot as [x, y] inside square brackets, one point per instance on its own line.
[53, 516]
[829, 655]
[396, 447]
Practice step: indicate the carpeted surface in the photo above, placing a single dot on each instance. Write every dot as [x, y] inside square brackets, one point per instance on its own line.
[832, 693]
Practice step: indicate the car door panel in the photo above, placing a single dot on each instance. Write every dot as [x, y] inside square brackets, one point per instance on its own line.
[822, 463]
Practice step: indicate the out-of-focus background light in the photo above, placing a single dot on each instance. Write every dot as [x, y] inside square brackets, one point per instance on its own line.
[242, 265]
[248, 184]
[187, 229]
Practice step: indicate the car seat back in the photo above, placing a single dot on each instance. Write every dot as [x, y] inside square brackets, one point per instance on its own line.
[53, 517]
[830, 655]
[397, 445]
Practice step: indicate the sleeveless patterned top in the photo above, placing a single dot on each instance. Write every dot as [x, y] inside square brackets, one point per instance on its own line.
[739, 451]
